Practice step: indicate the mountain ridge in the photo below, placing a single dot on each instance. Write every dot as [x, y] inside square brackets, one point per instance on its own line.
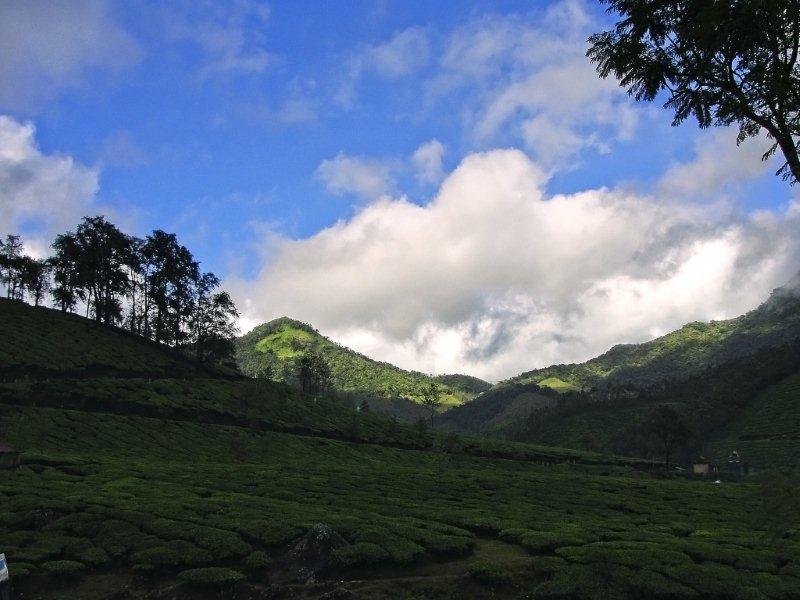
[273, 348]
[773, 323]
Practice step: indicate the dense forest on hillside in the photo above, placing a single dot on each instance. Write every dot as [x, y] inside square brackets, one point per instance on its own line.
[272, 350]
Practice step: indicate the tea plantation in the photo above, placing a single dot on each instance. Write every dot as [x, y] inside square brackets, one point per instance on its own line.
[45, 343]
[208, 487]
[768, 430]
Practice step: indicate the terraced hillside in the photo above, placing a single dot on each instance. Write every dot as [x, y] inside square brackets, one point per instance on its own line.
[767, 432]
[275, 347]
[206, 487]
[46, 343]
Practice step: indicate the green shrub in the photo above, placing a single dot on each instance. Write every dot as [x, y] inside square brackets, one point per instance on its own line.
[21, 570]
[257, 560]
[537, 542]
[362, 553]
[93, 556]
[43, 546]
[118, 537]
[548, 564]
[611, 582]
[79, 523]
[269, 532]
[488, 573]
[211, 576]
[402, 550]
[63, 567]
[224, 544]
[172, 554]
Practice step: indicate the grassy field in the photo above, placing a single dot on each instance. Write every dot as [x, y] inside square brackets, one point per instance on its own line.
[559, 385]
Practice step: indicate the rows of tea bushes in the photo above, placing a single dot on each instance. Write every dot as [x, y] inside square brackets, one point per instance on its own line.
[108, 493]
[41, 342]
[767, 433]
[264, 405]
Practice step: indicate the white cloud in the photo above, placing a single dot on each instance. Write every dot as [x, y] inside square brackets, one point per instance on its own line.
[367, 178]
[48, 46]
[40, 194]
[527, 79]
[494, 276]
[718, 165]
[427, 161]
[231, 35]
[401, 56]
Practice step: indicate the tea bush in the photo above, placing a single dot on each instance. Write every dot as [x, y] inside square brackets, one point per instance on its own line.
[211, 576]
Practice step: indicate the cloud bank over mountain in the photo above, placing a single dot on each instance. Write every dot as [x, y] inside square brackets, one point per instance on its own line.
[495, 276]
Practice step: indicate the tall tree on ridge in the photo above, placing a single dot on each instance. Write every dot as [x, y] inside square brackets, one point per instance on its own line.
[722, 61]
[103, 252]
[36, 277]
[11, 264]
[314, 373]
[213, 320]
[66, 272]
[172, 270]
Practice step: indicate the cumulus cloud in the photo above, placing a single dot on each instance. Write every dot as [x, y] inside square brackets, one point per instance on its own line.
[400, 56]
[427, 162]
[495, 276]
[719, 164]
[40, 194]
[367, 178]
[48, 46]
[527, 79]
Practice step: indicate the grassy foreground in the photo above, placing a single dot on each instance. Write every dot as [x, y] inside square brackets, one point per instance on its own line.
[113, 496]
[205, 485]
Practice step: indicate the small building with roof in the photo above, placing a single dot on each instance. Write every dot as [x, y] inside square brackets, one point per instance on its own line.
[702, 466]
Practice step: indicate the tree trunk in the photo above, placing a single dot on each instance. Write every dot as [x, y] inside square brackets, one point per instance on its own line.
[789, 150]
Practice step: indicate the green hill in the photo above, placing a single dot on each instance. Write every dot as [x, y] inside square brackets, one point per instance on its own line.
[715, 374]
[767, 431]
[207, 486]
[46, 343]
[495, 409]
[274, 348]
[682, 353]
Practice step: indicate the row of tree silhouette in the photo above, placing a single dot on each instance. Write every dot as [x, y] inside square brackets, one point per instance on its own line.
[151, 286]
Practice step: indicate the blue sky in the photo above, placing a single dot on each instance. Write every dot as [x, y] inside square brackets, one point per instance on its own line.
[280, 140]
